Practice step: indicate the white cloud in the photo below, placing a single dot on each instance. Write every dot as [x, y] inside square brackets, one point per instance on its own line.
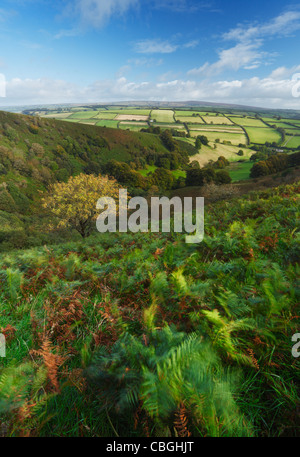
[241, 55]
[66, 33]
[146, 62]
[96, 13]
[154, 47]
[157, 46]
[274, 91]
[191, 44]
[185, 6]
[284, 73]
[284, 24]
[248, 53]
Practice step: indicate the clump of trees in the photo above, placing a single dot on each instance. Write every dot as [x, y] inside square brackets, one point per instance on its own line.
[213, 173]
[124, 174]
[274, 164]
[201, 140]
[200, 177]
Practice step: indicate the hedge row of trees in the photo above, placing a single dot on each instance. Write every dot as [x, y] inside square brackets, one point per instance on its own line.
[213, 173]
[274, 164]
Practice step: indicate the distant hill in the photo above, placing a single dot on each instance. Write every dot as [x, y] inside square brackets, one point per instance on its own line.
[289, 113]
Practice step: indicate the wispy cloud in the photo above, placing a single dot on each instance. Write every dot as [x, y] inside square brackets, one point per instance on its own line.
[243, 55]
[282, 25]
[157, 46]
[146, 62]
[185, 6]
[92, 13]
[248, 51]
[97, 12]
[66, 33]
[190, 44]
[154, 47]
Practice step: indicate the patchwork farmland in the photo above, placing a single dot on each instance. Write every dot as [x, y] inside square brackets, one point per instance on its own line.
[227, 132]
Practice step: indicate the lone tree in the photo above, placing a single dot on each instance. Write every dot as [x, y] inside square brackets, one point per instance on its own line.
[74, 202]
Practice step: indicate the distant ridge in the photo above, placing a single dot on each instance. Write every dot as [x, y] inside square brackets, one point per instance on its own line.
[150, 104]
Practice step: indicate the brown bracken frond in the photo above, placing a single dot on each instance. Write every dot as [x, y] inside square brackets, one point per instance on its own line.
[254, 360]
[52, 362]
[181, 422]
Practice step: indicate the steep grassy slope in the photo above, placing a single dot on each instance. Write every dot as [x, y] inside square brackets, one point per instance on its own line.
[35, 152]
[142, 334]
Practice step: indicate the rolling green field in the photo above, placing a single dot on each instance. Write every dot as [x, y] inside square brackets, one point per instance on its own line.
[292, 142]
[190, 119]
[151, 168]
[105, 115]
[270, 120]
[57, 115]
[248, 122]
[84, 115]
[230, 152]
[70, 120]
[187, 113]
[159, 115]
[235, 138]
[261, 135]
[292, 131]
[240, 171]
[133, 111]
[220, 126]
[89, 121]
[108, 123]
[133, 126]
[219, 120]
[216, 128]
[283, 125]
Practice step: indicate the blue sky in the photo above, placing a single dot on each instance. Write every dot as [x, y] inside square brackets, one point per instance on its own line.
[80, 51]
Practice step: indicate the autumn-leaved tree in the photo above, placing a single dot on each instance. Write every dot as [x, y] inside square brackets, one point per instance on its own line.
[74, 202]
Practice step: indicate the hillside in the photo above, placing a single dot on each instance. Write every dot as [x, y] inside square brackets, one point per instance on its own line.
[144, 335]
[35, 152]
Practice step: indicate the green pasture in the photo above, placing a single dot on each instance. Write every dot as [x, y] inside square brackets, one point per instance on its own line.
[84, 114]
[190, 119]
[248, 122]
[292, 131]
[239, 171]
[107, 123]
[218, 120]
[235, 138]
[187, 113]
[292, 142]
[161, 115]
[261, 135]
[216, 128]
[69, 119]
[230, 152]
[57, 115]
[151, 168]
[105, 115]
[134, 126]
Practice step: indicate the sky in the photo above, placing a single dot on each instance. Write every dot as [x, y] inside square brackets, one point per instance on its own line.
[102, 51]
